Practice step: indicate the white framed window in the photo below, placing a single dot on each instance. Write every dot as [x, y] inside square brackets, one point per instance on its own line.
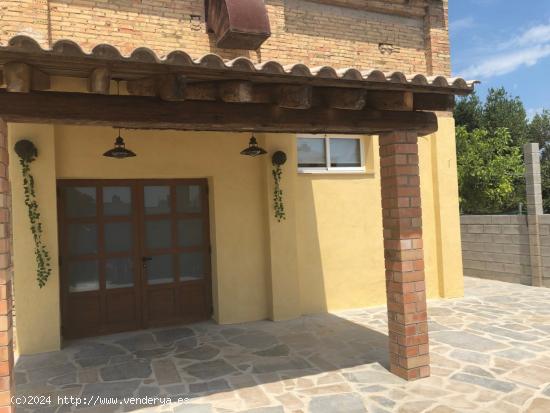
[330, 154]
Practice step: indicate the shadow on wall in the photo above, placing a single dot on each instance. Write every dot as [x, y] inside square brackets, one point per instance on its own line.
[208, 359]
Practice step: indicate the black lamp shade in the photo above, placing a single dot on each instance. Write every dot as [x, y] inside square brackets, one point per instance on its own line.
[119, 151]
[253, 148]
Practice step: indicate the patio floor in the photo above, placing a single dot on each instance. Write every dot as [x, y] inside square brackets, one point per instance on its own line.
[490, 352]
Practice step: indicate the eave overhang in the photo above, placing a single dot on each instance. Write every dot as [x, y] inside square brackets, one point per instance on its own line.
[209, 93]
[67, 58]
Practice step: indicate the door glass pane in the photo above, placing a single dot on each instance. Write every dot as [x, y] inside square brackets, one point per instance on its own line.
[157, 200]
[119, 273]
[345, 153]
[82, 239]
[190, 232]
[118, 237]
[80, 202]
[117, 200]
[188, 198]
[158, 234]
[160, 269]
[83, 276]
[191, 265]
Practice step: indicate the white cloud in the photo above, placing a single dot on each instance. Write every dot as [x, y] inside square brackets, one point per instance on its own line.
[462, 24]
[524, 50]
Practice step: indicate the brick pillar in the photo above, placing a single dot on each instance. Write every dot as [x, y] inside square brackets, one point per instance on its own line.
[6, 344]
[405, 286]
[533, 189]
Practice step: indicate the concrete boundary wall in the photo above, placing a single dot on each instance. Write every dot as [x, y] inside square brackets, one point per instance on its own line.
[512, 248]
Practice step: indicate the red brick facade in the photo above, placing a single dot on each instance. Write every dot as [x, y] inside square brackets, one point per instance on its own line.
[405, 285]
[6, 337]
[366, 34]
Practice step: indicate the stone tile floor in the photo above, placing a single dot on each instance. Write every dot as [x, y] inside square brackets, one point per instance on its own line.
[490, 353]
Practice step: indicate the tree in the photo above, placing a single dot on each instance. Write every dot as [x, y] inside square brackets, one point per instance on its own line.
[469, 112]
[501, 110]
[539, 131]
[490, 169]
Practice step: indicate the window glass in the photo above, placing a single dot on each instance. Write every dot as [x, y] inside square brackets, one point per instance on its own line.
[119, 273]
[190, 232]
[160, 270]
[117, 200]
[118, 237]
[157, 200]
[82, 239]
[158, 234]
[83, 276]
[345, 153]
[80, 202]
[312, 153]
[191, 265]
[188, 198]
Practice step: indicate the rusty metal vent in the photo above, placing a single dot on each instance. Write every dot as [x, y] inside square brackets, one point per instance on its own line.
[238, 24]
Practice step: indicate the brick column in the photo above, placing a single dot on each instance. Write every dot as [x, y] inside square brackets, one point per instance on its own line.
[6, 344]
[533, 189]
[405, 286]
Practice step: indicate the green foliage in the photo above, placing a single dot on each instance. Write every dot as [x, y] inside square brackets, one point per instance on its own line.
[278, 205]
[501, 110]
[490, 169]
[539, 131]
[43, 259]
[468, 112]
[482, 188]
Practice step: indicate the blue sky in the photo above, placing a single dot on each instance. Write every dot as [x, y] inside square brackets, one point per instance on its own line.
[504, 43]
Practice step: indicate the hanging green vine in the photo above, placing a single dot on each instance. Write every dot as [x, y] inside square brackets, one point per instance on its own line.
[27, 153]
[278, 159]
[278, 194]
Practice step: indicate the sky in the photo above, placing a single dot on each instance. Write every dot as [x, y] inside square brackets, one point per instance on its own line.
[504, 43]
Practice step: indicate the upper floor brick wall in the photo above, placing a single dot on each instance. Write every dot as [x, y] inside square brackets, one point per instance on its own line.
[380, 34]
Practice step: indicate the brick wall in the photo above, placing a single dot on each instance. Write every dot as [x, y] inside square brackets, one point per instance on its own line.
[497, 247]
[303, 31]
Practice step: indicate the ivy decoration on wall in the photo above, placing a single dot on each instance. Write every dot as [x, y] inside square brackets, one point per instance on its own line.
[27, 153]
[278, 159]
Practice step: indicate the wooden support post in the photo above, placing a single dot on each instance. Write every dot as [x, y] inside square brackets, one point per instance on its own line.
[403, 253]
[100, 81]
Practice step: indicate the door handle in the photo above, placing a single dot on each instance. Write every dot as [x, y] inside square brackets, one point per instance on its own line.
[145, 259]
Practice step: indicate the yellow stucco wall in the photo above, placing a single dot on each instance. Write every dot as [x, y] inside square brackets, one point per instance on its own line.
[328, 254]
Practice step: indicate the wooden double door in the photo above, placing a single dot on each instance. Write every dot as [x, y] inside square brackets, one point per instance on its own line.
[133, 253]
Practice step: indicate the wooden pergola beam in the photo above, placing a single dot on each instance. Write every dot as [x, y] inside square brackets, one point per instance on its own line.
[152, 113]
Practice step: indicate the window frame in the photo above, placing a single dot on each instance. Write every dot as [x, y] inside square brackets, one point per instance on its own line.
[328, 168]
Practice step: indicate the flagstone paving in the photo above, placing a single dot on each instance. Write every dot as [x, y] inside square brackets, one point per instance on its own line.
[490, 352]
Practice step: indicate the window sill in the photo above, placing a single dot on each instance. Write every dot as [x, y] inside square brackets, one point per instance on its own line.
[343, 171]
